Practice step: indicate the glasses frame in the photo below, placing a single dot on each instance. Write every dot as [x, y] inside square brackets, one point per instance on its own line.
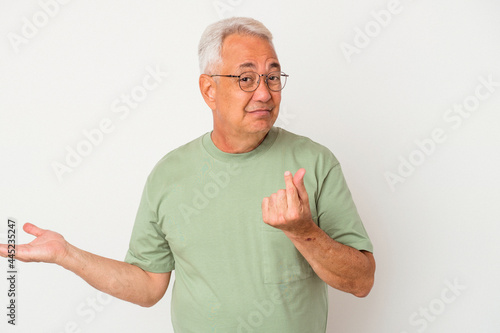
[258, 81]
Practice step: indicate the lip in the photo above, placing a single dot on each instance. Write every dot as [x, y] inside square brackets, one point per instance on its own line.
[260, 112]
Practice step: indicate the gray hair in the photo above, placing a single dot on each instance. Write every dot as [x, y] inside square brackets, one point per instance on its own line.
[210, 47]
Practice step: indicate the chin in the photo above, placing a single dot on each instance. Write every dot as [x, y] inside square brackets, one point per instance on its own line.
[262, 126]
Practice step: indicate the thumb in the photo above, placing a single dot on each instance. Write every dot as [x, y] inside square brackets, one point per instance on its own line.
[298, 181]
[32, 229]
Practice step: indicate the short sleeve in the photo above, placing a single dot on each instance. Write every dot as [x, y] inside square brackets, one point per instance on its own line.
[337, 213]
[148, 248]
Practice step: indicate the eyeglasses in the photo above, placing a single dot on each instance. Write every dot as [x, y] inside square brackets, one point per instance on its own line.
[249, 81]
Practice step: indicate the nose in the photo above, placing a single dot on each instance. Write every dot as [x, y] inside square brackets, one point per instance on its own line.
[262, 93]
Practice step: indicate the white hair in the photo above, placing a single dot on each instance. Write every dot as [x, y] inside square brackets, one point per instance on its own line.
[210, 47]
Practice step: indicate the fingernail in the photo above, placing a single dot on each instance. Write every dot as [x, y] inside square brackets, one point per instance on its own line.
[287, 173]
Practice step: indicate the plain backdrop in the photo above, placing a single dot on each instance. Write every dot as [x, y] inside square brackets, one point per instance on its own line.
[405, 93]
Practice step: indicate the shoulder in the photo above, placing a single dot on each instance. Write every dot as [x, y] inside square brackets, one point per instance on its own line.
[305, 147]
[177, 160]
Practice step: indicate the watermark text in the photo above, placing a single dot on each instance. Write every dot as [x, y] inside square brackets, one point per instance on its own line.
[12, 272]
[455, 117]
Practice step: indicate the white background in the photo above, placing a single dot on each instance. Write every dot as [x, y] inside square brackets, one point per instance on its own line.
[438, 227]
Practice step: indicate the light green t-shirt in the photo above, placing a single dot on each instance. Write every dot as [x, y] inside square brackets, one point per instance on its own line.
[200, 214]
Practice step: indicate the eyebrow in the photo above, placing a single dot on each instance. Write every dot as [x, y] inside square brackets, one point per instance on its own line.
[249, 65]
[246, 65]
[275, 65]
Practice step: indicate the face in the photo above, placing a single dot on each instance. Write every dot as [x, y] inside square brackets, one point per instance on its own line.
[238, 112]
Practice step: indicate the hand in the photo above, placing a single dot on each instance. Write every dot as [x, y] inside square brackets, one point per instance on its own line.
[48, 246]
[289, 209]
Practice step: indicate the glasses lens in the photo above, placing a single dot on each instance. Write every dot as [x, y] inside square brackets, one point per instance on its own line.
[276, 81]
[248, 81]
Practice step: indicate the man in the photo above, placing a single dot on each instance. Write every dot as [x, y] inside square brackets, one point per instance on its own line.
[249, 256]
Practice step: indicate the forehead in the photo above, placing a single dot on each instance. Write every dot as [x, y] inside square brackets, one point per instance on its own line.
[248, 52]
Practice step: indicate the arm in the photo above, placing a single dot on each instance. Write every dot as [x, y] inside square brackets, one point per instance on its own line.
[117, 278]
[340, 266]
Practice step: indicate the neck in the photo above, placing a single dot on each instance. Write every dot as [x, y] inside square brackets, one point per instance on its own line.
[237, 144]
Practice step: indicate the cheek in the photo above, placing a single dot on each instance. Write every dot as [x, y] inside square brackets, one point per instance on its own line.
[240, 101]
[277, 99]
[232, 105]
[233, 98]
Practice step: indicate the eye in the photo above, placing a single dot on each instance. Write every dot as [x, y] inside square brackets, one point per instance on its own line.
[247, 78]
[274, 76]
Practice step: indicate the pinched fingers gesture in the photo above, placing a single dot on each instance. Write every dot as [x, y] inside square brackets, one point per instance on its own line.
[288, 209]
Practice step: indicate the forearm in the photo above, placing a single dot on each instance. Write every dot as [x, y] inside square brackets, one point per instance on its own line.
[117, 278]
[340, 266]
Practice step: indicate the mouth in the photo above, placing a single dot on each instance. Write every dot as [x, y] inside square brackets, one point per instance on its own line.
[260, 111]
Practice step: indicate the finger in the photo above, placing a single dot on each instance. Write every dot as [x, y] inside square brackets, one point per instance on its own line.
[3, 250]
[291, 191]
[298, 181]
[265, 209]
[280, 202]
[32, 229]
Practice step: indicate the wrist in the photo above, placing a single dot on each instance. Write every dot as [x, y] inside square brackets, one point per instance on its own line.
[67, 256]
[308, 231]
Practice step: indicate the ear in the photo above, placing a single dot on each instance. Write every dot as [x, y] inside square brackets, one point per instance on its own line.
[208, 88]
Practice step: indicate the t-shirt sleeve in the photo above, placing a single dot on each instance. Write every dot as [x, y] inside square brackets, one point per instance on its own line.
[148, 248]
[337, 213]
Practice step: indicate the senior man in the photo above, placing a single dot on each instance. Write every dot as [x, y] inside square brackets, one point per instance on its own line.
[253, 245]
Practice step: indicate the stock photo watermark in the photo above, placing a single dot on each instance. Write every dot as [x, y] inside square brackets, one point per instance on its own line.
[363, 36]
[263, 309]
[121, 107]
[87, 311]
[284, 117]
[454, 116]
[30, 27]
[429, 313]
[12, 272]
[201, 197]
[225, 8]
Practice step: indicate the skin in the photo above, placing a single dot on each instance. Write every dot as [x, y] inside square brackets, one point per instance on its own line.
[241, 122]
[237, 131]
[241, 119]
[340, 266]
[117, 278]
